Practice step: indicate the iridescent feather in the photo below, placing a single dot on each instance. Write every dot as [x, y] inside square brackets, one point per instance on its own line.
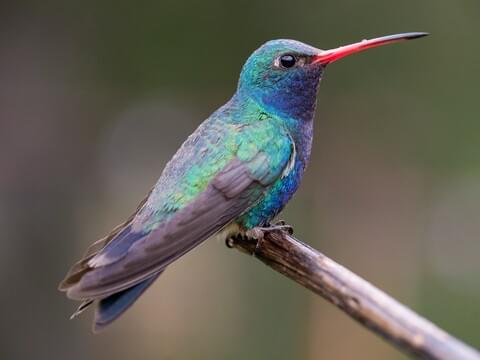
[235, 172]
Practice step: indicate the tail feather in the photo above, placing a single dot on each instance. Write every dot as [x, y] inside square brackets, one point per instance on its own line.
[83, 306]
[82, 267]
[113, 306]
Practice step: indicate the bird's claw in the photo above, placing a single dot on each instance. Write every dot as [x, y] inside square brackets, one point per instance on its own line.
[258, 233]
[230, 242]
[282, 226]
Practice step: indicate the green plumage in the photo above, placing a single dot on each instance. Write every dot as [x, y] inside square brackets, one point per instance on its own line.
[264, 145]
[235, 173]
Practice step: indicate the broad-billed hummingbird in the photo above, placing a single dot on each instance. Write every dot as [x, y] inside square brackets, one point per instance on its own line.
[231, 177]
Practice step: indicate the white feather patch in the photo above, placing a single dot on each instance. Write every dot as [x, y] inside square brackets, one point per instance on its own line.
[291, 161]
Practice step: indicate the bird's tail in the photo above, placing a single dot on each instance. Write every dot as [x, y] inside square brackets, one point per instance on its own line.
[110, 308]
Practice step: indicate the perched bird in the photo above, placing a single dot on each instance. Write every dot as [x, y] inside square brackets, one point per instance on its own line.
[232, 176]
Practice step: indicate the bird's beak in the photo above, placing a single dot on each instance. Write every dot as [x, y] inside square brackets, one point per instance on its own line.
[328, 56]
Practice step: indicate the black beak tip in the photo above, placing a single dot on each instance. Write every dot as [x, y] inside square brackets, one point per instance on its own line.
[416, 35]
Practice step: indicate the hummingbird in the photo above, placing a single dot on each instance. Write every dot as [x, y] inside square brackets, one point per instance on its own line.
[230, 178]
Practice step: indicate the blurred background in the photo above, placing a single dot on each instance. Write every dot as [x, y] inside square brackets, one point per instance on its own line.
[96, 96]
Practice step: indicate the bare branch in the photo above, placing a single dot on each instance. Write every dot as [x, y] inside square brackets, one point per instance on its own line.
[362, 301]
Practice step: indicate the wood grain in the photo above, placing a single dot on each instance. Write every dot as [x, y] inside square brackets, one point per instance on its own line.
[371, 307]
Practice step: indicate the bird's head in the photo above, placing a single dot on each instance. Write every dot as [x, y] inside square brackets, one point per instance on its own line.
[283, 75]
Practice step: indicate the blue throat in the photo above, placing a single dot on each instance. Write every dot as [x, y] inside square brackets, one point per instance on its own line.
[293, 97]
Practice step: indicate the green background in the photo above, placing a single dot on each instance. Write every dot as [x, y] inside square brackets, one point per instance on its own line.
[96, 96]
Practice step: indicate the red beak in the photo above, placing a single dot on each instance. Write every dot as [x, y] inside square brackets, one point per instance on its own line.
[329, 56]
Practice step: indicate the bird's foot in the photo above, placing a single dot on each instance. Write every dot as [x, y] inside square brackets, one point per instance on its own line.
[232, 240]
[282, 226]
[258, 234]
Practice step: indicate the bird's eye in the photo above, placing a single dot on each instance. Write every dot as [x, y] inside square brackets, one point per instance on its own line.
[288, 61]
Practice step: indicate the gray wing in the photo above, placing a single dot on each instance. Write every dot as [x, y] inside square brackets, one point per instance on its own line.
[231, 192]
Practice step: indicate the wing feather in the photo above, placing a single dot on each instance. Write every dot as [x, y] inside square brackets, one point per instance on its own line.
[227, 195]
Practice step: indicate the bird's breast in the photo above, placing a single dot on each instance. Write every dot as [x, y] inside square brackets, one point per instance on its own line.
[282, 190]
[275, 198]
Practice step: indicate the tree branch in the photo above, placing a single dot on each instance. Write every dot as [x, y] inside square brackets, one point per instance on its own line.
[371, 307]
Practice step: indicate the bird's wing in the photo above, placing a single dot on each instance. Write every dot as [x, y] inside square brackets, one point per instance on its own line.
[260, 156]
